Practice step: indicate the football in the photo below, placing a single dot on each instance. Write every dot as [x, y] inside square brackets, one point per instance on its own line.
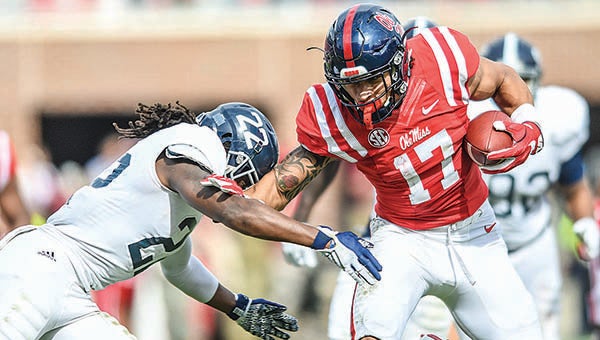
[482, 138]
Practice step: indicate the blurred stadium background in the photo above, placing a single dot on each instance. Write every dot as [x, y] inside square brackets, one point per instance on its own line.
[69, 68]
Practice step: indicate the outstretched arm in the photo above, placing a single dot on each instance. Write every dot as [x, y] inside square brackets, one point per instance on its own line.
[316, 188]
[259, 317]
[288, 178]
[253, 218]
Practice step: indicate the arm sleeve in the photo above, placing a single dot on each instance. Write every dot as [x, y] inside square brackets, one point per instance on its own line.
[572, 170]
[187, 273]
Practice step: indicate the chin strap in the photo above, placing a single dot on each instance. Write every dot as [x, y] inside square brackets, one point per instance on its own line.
[368, 116]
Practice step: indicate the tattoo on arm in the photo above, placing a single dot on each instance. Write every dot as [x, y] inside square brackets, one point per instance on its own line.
[298, 169]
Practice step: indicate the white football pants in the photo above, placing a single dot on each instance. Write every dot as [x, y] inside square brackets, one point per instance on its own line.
[465, 264]
[41, 296]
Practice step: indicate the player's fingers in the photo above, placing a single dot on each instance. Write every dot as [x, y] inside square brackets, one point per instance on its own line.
[367, 258]
[286, 322]
[365, 275]
[503, 153]
[371, 264]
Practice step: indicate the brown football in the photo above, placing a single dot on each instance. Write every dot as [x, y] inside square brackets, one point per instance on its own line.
[482, 138]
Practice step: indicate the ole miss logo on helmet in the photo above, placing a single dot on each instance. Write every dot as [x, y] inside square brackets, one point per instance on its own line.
[389, 23]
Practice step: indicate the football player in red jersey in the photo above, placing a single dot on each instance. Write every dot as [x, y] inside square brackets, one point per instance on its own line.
[12, 209]
[397, 109]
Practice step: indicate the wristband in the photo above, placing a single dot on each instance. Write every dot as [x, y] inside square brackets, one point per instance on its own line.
[241, 303]
[320, 241]
[526, 112]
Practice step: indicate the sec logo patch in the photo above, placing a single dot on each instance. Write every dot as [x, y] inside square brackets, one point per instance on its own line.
[378, 138]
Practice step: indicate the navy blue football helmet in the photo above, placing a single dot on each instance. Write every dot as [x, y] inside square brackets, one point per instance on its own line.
[518, 54]
[249, 139]
[414, 26]
[366, 43]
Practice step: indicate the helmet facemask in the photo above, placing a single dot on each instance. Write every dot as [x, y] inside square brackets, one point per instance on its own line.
[241, 169]
[381, 105]
[367, 45]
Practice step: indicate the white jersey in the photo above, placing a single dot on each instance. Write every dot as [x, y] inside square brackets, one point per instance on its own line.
[126, 220]
[518, 196]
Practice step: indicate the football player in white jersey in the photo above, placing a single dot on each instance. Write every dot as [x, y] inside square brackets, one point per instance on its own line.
[141, 210]
[520, 196]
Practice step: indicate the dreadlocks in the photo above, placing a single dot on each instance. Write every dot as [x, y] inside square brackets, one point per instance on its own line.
[154, 118]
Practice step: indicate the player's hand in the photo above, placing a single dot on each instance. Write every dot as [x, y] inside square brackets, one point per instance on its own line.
[225, 184]
[298, 255]
[528, 140]
[263, 318]
[350, 253]
[587, 230]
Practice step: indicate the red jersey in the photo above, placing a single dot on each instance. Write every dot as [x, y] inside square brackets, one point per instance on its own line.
[414, 158]
[7, 160]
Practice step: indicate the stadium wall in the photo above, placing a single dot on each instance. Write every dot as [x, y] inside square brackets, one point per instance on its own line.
[108, 62]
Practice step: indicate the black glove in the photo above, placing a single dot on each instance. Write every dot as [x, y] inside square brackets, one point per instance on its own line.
[263, 318]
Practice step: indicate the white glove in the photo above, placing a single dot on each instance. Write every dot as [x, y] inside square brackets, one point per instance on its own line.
[298, 255]
[349, 252]
[587, 230]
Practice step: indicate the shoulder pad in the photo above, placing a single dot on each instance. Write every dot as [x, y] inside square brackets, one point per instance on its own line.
[190, 152]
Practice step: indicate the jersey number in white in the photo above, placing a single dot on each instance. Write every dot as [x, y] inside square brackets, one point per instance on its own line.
[424, 151]
[251, 138]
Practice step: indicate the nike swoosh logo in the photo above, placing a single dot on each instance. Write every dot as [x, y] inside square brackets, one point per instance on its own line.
[426, 110]
[489, 227]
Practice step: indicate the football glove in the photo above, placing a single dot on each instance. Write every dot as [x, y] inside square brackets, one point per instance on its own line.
[528, 140]
[587, 230]
[262, 318]
[349, 253]
[225, 184]
[298, 255]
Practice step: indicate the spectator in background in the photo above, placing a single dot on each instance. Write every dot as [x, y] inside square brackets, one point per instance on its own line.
[41, 183]
[13, 212]
[109, 149]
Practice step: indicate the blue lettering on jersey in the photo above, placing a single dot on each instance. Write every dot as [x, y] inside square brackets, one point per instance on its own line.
[123, 164]
[135, 249]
